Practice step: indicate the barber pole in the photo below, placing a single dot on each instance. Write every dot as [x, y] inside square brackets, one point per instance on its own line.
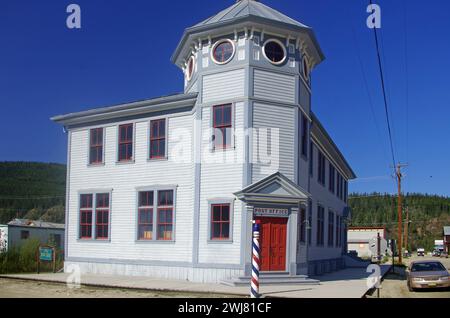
[255, 262]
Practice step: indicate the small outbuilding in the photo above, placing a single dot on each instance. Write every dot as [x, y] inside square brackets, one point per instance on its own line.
[447, 238]
[18, 231]
[363, 241]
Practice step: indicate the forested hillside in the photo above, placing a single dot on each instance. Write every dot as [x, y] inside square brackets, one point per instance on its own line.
[37, 191]
[427, 214]
[32, 190]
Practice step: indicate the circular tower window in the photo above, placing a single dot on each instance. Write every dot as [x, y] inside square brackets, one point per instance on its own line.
[223, 51]
[190, 68]
[274, 51]
[305, 68]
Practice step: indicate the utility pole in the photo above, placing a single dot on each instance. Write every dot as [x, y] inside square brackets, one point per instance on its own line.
[407, 228]
[399, 210]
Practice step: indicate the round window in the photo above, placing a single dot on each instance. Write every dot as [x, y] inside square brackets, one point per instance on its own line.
[223, 51]
[274, 51]
[190, 68]
[305, 68]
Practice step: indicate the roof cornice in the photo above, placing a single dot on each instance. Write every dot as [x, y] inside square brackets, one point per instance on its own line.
[171, 102]
[247, 20]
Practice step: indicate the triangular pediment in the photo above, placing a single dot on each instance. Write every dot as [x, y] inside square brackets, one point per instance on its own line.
[276, 188]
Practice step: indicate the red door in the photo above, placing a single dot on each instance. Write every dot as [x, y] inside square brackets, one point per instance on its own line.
[273, 244]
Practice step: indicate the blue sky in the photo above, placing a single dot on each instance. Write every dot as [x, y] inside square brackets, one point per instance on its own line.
[122, 53]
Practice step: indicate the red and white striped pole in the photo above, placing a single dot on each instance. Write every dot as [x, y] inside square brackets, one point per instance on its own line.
[255, 261]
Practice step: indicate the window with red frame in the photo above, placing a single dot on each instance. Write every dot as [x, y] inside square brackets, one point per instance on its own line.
[96, 146]
[165, 215]
[220, 222]
[222, 124]
[102, 216]
[303, 225]
[126, 142]
[86, 211]
[330, 228]
[145, 217]
[158, 139]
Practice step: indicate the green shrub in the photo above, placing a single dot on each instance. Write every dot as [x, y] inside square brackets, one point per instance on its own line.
[24, 259]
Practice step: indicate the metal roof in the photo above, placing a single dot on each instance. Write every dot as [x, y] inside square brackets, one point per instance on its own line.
[247, 11]
[446, 230]
[36, 224]
[245, 8]
[134, 108]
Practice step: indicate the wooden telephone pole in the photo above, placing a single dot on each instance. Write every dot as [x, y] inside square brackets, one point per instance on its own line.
[407, 229]
[399, 210]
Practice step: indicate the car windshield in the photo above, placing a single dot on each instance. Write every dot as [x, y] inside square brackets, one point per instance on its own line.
[428, 267]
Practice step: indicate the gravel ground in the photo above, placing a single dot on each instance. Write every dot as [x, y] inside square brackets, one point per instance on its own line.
[394, 285]
[12, 288]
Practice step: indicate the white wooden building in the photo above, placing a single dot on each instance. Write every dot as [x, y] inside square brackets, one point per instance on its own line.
[169, 187]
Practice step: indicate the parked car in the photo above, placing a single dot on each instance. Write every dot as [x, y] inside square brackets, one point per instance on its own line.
[436, 253]
[444, 254]
[427, 274]
[420, 252]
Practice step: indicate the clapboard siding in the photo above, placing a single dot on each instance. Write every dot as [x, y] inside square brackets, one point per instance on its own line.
[274, 86]
[321, 195]
[221, 180]
[123, 179]
[305, 97]
[280, 118]
[223, 86]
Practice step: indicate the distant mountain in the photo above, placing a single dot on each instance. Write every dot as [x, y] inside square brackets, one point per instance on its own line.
[428, 214]
[32, 190]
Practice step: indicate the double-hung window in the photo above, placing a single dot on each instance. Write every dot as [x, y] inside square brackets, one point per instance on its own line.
[94, 207]
[155, 220]
[304, 136]
[220, 222]
[222, 126]
[126, 142]
[102, 216]
[158, 139]
[302, 225]
[321, 168]
[86, 212]
[320, 225]
[96, 146]
[165, 215]
[330, 228]
[311, 159]
[338, 231]
[145, 216]
[310, 220]
[332, 178]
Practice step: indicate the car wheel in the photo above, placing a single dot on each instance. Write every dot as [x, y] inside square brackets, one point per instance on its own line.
[410, 288]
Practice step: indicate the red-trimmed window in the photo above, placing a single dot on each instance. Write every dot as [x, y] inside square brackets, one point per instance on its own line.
[102, 216]
[222, 124]
[330, 228]
[158, 139]
[96, 146]
[223, 51]
[220, 221]
[86, 210]
[126, 142]
[303, 223]
[165, 215]
[304, 136]
[320, 225]
[145, 217]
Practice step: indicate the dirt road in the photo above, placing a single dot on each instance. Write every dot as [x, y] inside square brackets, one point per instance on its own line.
[11, 288]
[394, 285]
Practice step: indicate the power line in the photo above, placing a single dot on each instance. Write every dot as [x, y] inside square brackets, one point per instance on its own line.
[383, 86]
